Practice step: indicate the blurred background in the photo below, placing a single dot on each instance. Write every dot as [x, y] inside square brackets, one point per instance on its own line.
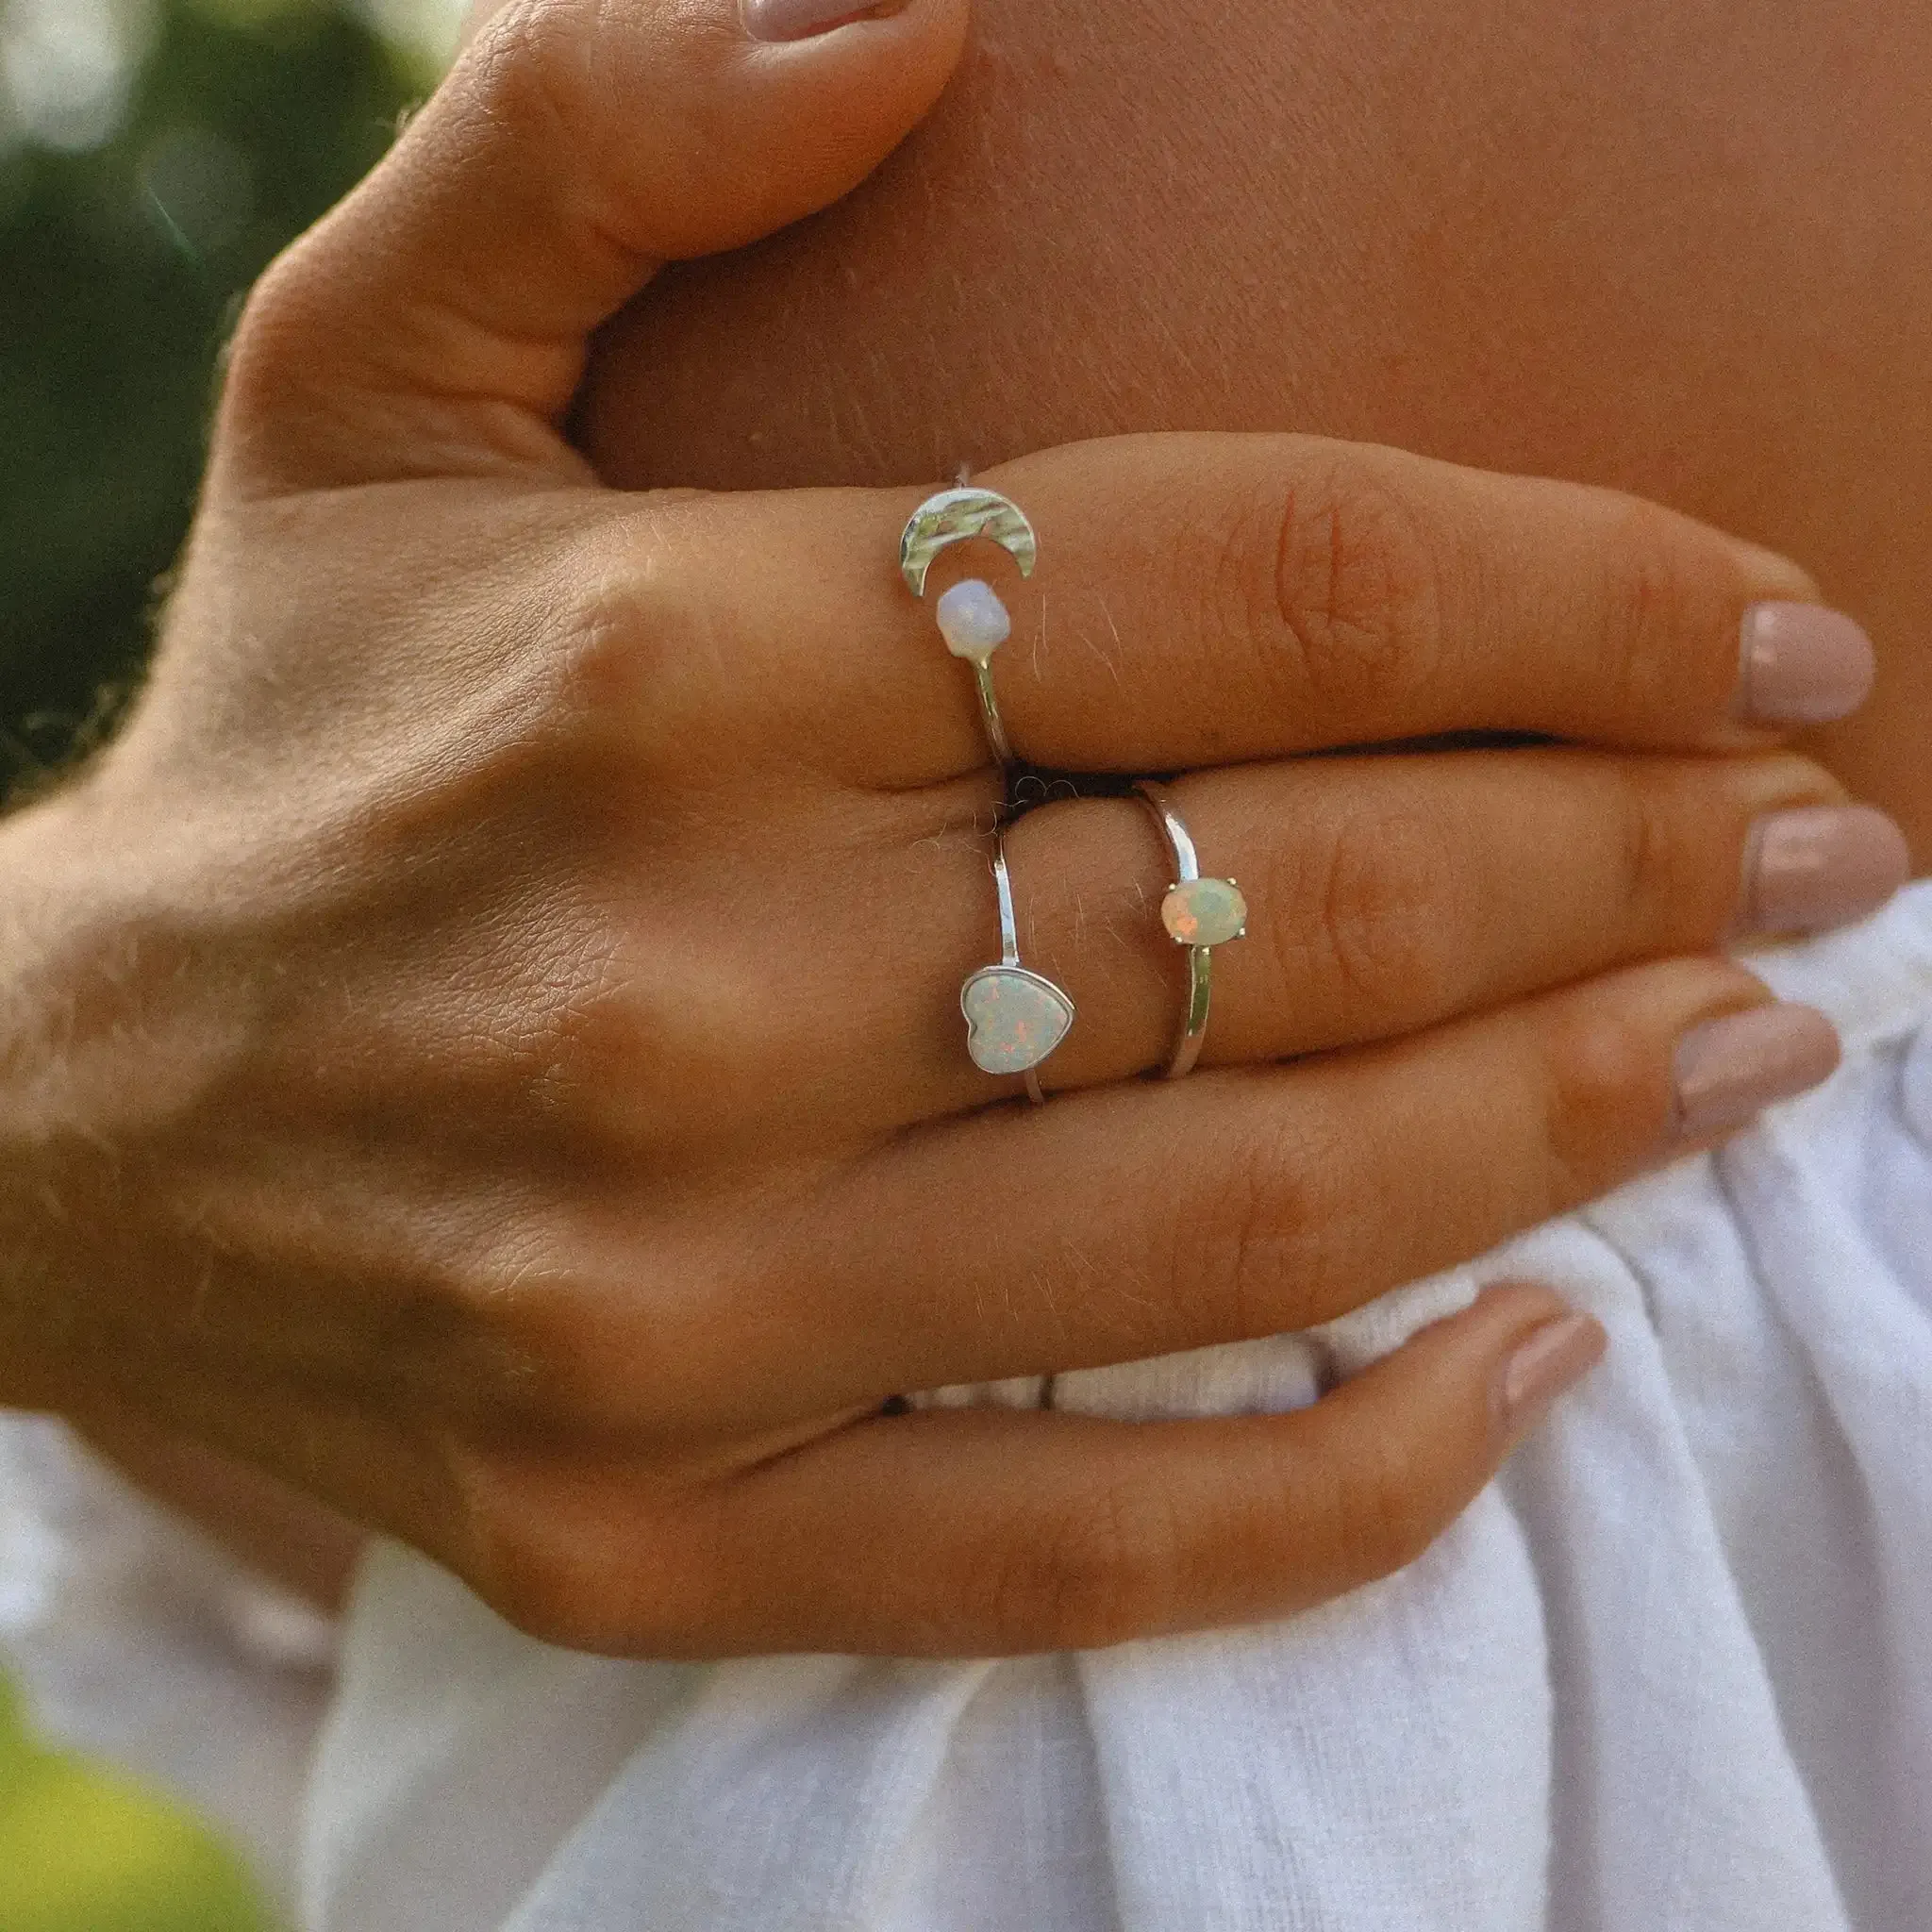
[154, 155]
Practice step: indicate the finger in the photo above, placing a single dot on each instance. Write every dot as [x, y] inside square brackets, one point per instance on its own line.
[1133, 1222]
[1384, 895]
[983, 1532]
[1208, 600]
[1138, 1220]
[437, 322]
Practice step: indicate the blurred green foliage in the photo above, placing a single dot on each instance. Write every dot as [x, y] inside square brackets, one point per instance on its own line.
[121, 266]
[81, 1852]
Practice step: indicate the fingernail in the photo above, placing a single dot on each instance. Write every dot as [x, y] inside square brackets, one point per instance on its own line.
[796, 19]
[1802, 665]
[1552, 1359]
[1821, 866]
[1729, 1070]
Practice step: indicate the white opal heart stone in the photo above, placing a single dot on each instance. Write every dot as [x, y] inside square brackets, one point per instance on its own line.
[1014, 1018]
[1205, 912]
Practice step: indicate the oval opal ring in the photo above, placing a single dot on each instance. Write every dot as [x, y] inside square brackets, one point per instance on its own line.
[1199, 914]
[1014, 1018]
[972, 618]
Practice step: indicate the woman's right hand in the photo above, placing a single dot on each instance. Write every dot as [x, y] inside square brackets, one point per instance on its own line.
[483, 1046]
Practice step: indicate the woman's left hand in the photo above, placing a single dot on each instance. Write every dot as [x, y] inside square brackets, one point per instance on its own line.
[484, 1043]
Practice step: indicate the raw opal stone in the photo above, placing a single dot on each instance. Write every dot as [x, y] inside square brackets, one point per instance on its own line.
[1014, 1018]
[1205, 912]
[973, 620]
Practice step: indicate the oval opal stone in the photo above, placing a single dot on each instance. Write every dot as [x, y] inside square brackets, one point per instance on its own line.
[1205, 912]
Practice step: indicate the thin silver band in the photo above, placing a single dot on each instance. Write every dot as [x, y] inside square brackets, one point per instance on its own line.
[1003, 884]
[1014, 1018]
[1186, 868]
[989, 714]
[1200, 914]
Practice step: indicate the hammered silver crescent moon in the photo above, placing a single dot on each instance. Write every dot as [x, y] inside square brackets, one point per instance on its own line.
[954, 516]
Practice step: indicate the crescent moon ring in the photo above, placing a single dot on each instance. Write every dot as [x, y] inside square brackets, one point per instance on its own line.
[954, 516]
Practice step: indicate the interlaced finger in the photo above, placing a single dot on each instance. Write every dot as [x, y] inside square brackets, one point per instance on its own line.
[1383, 896]
[983, 1532]
[1131, 1222]
[1138, 1220]
[1205, 600]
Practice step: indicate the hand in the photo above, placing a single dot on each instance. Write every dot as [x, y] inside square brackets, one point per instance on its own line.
[483, 1046]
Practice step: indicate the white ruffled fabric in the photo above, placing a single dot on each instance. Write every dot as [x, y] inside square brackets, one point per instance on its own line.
[1673, 1671]
[137, 1640]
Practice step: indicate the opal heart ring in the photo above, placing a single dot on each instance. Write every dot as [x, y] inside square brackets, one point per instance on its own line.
[1199, 914]
[972, 618]
[1014, 1018]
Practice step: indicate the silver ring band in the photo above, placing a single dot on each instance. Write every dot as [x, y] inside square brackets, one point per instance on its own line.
[1014, 1018]
[971, 618]
[1199, 914]
[989, 714]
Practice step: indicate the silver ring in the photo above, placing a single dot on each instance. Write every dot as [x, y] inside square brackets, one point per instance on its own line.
[1199, 914]
[972, 618]
[1014, 1018]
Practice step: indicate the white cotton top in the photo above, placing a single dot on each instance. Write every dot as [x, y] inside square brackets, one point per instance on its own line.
[1673, 1670]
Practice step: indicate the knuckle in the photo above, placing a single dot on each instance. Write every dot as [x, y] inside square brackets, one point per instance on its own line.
[1250, 1251]
[532, 1035]
[471, 1345]
[531, 72]
[1660, 595]
[1664, 888]
[1099, 1571]
[434, 1346]
[565, 1042]
[1380, 890]
[603, 1046]
[579, 1555]
[1606, 1097]
[1335, 580]
[1392, 1510]
[583, 1343]
[658, 1050]
[509, 1557]
[609, 1026]
[552, 1353]
[267, 365]
[550, 1594]
[610, 654]
[640, 655]
[565, 1588]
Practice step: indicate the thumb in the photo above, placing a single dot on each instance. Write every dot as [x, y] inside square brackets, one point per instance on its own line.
[437, 322]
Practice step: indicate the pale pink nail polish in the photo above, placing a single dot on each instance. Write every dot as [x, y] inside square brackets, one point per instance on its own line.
[1729, 1070]
[796, 19]
[1821, 866]
[1801, 664]
[1552, 1359]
